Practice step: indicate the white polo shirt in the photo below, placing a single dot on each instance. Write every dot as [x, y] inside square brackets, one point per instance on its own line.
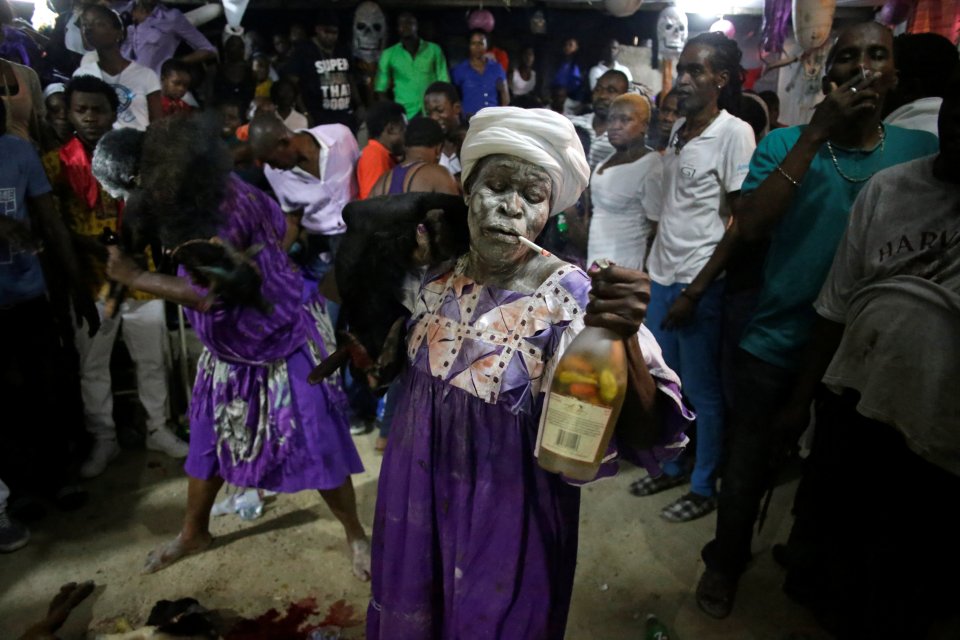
[695, 209]
[322, 199]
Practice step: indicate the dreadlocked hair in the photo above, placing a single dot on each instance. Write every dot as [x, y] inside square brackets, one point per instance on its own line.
[726, 57]
[184, 172]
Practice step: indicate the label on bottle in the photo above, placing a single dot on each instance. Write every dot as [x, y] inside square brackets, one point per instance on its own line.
[573, 428]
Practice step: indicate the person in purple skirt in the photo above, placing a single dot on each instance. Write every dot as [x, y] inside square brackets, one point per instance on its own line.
[472, 539]
[254, 419]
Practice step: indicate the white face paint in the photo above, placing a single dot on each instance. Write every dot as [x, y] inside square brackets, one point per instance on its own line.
[369, 31]
[510, 197]
[671, 32]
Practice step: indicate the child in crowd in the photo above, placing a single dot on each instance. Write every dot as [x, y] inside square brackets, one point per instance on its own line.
[231, 118]
[262, 75]
[281, 52]
[56, 117]
[175, 79]
[284, 95]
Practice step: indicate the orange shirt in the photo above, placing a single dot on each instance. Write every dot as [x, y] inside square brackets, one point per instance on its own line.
[501, 57]
[375, 161]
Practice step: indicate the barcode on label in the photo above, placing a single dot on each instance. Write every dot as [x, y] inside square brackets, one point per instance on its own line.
[568, 440]
[573, 429]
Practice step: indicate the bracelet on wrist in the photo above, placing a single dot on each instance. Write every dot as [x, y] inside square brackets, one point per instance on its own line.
[786, 175]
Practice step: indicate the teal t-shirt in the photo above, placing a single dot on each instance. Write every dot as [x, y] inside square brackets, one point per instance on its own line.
[803, 244]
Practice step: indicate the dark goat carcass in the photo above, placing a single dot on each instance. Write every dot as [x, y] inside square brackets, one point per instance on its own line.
[388, 239]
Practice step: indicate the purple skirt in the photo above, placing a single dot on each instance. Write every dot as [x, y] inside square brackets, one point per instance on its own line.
[267, 427]
[471, 539]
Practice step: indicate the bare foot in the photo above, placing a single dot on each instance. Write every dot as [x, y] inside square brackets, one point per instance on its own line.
[69, 597]
[381, 444]
[361, 558]
[169, 552]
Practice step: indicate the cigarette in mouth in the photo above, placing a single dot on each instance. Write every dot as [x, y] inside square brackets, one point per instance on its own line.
[535, 247]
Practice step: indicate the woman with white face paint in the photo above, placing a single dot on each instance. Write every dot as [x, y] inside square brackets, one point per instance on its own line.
[471, 537]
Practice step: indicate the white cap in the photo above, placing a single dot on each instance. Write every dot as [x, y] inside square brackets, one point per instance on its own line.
[52, 88]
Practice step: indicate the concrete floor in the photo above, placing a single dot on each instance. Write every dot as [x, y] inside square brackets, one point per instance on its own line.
[631, 562]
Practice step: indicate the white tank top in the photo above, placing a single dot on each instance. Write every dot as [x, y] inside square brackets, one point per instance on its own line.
[521, 87]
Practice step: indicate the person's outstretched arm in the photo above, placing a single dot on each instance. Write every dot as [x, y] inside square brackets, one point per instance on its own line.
[123, 269]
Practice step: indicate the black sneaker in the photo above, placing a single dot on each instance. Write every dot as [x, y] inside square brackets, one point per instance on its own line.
[13, 535]
[715, 594]
[70, 498]
[360, 426]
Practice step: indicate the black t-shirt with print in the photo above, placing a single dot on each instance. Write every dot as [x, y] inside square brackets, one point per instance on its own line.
[325, 84]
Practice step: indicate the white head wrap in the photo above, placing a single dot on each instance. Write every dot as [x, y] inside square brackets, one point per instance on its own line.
[52, 88]
[542, 137]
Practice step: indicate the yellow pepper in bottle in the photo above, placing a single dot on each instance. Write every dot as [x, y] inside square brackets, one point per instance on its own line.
[608, 385]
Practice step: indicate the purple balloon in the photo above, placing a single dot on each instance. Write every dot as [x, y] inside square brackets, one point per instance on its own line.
[776, 22]
[481, 19]
[894, 12]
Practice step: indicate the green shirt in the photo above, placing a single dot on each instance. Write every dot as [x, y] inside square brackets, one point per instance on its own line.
[804, 243]
[410, 75]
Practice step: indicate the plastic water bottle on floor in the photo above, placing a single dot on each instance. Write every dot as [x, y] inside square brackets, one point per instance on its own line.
[656, 630]
[249, 505]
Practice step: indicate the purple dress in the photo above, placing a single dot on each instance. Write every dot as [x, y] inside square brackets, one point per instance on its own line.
[254, 419]
[472, 539]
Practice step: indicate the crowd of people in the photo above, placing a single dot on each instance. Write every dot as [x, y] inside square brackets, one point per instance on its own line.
[305, 210]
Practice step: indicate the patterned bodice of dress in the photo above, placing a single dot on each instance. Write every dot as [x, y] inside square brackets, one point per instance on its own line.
[495, 344]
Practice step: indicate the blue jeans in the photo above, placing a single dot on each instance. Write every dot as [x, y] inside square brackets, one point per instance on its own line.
[316, 255]
[693, 351]
[390, 406]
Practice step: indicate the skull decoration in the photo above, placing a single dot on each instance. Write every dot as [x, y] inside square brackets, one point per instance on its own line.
[671, 32]
[538, 23]
[369, 31]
